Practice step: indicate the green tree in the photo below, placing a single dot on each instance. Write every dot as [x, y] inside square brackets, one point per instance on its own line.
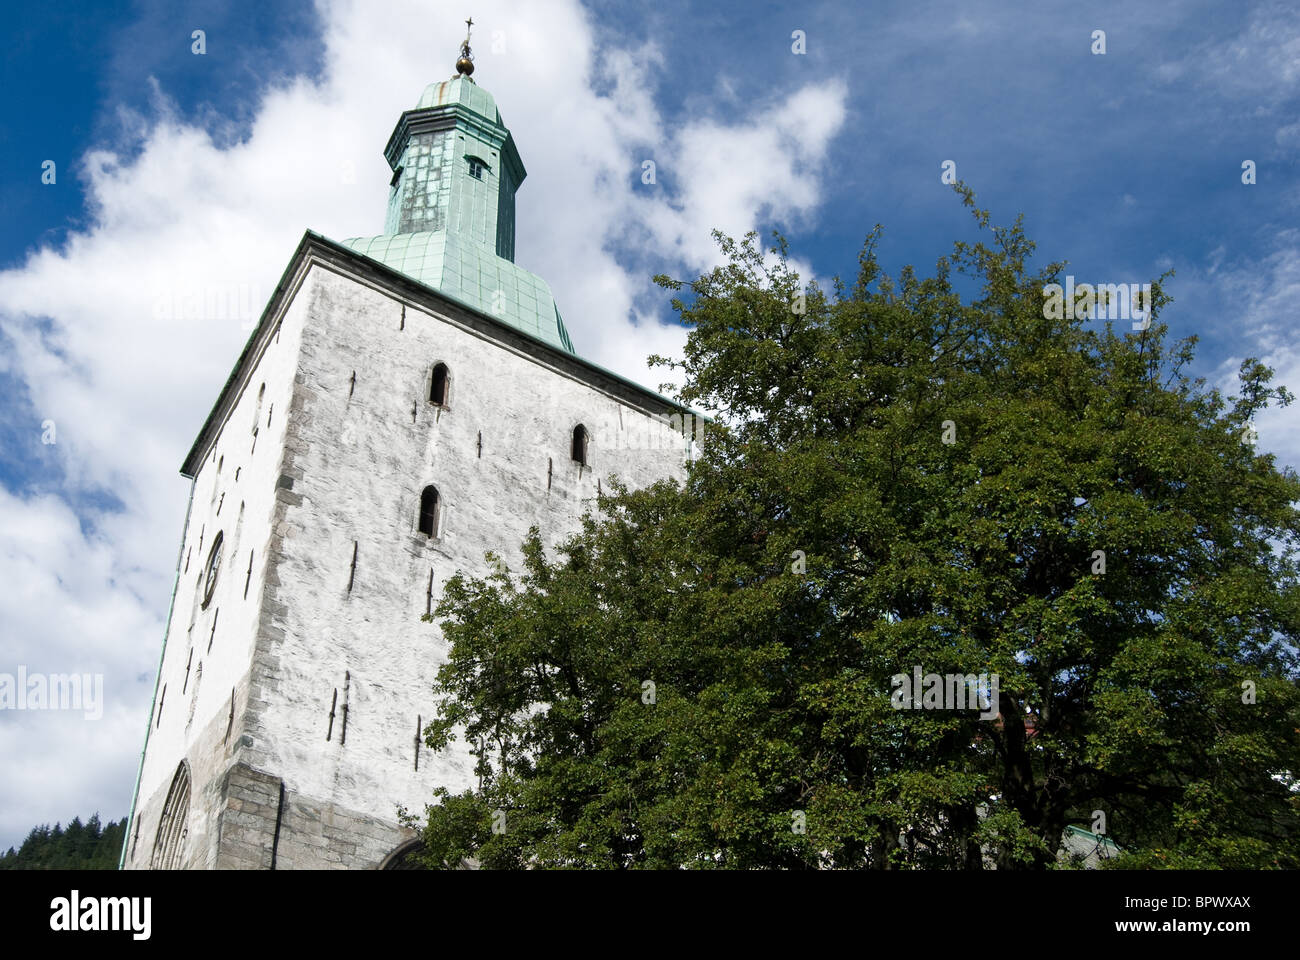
[88, 846]
[899, 477]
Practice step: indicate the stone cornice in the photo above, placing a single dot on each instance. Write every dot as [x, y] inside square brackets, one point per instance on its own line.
[449, 117]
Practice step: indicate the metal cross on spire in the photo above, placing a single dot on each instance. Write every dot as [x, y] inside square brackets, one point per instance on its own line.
[465, 65]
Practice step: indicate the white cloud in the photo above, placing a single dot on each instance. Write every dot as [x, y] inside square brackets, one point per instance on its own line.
[1257, 66]
[1264, 296]
[68, 608]
[125, 336]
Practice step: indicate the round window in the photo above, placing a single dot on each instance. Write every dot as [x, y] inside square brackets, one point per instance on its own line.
[214, 567]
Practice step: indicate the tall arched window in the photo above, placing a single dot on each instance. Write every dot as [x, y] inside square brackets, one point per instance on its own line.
[579, 449]
[173, 828]
[429, 503]
[438, 385]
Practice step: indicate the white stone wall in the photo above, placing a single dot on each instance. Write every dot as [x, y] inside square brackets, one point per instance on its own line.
[360, 460]
[343, 462]
[242, 474]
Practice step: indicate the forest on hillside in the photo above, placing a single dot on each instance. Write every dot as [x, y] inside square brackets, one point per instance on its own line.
[78, 846]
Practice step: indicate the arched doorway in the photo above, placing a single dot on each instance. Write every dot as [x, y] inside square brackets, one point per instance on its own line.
[404, 857]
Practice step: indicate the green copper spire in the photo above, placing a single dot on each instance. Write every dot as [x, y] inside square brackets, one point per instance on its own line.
[451, 206]
[455, 167]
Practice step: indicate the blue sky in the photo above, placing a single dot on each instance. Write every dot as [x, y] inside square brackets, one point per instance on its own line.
[180, 175]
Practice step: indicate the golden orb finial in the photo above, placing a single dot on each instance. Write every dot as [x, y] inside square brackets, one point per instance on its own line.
[465, 65]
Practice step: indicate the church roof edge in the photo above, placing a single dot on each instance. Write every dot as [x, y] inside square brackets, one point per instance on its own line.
[265, 329]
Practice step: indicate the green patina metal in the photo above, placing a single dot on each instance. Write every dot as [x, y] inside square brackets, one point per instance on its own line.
[451, 210]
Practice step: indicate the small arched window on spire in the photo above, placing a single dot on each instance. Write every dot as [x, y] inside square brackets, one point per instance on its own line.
[476, 167]
[438, 385]
[579, 449]
[429, 504]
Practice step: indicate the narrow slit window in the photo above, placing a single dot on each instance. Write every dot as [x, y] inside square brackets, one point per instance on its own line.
[579, 449]
[429, 508]
[438, 385]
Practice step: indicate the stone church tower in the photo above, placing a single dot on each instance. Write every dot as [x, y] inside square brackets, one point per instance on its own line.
[407, 402]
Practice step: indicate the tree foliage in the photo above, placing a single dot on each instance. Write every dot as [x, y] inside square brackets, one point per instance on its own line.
[701, 677]
[79, 846]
